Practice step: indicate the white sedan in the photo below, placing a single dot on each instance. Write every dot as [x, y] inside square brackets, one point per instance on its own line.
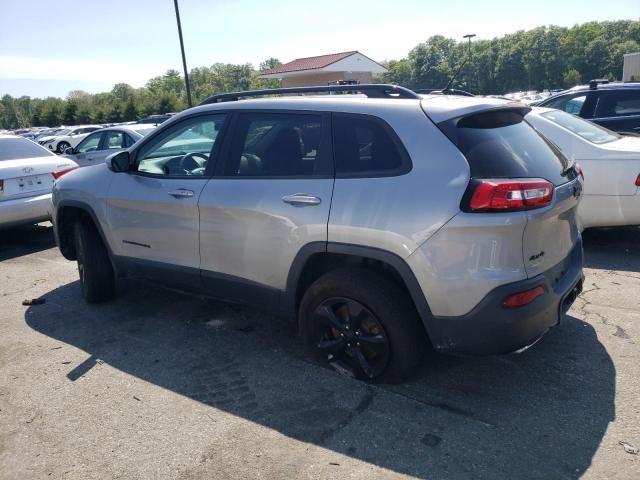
[610, 162]
[67, 138]
[27, 174]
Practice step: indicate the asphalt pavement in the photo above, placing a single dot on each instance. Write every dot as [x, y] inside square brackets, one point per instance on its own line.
[159, 384]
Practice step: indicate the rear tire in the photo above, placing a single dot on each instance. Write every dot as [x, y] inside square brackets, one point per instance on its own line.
[97, 279]
[374, 333]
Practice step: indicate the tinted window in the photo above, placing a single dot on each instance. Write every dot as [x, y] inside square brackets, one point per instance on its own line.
[89, 144]
[367, 146]
[276, 145]
[18, 147]
[570, 104]
[502, 145]
[183, 150]
[618, 104]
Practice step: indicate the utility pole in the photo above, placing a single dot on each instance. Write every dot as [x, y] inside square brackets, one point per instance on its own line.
[469, 36]
[184, 60]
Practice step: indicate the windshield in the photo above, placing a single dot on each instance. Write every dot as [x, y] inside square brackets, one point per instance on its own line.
[587, 130]
[18, 148]
[63, 132]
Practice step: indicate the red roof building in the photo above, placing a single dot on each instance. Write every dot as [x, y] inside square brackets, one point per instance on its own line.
[326, 69]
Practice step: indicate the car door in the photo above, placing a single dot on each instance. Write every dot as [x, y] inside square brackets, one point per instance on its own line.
[619, 110]
[112, 141]
[153, 210]
[88, 150]
[269, 198]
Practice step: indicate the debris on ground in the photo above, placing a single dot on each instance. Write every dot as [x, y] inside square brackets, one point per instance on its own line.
[33, 301]
[629, 448]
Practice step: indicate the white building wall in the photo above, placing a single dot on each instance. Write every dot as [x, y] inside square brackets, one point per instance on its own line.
[631, 67]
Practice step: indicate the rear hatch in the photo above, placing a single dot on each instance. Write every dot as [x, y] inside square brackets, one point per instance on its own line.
[513, 168]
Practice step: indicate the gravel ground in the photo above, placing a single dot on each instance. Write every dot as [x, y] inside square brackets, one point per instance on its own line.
[159, 384]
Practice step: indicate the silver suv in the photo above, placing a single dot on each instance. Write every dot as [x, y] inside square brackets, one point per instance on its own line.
[381, 222]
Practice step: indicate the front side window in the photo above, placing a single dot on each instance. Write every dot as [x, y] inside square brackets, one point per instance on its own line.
[569, 104]
[587, 130]
[619, 104]
[114, 140]
[90, 143]
[277, 145]
[184, 150]
[366, 146]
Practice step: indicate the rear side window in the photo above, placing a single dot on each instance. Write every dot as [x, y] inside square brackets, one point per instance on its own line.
[18, 147]
[618, 104]
[366, 146]
[278, 145]
[500, 144]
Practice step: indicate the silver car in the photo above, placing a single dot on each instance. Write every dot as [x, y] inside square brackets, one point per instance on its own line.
[98, 145]
[380, 223]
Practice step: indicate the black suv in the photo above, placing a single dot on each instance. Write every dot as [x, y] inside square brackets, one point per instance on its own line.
[615, 106]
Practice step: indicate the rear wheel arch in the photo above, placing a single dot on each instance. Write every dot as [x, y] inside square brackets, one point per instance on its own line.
[318, 258]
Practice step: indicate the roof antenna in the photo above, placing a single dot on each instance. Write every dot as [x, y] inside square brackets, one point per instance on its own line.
[446, 89]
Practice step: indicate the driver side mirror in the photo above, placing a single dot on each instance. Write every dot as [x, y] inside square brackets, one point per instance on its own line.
[70, 151]
[119, 162]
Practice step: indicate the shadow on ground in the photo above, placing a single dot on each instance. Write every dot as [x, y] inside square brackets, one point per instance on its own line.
[19, 241]
[541, 414]
[612, 248]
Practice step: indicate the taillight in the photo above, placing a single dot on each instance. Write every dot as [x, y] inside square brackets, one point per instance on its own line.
[637, 182]
[521, 299]
[59, 173]
[1, 185]
[580, 171]
[502, 195]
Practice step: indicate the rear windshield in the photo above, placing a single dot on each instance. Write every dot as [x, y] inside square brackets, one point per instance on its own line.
[500, 144]
[17, 148]
[587, 130]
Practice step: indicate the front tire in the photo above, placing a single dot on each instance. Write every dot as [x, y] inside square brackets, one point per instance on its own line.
[62, 146]
[97, 279]
[362, 325]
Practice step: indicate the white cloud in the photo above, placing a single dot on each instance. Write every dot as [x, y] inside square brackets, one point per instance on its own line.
[32, 68]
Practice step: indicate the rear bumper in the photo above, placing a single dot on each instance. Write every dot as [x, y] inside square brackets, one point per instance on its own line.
[23, 211]
[491, 328]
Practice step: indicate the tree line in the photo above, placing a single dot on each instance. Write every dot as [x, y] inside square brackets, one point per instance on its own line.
[537, 59]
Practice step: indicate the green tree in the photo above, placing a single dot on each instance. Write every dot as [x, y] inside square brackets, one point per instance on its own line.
[571, 78]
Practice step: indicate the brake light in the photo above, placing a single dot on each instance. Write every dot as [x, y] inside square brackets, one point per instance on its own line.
[637, 182]
[521, 299]
[580, 171]
[501, 195]
[59, 173]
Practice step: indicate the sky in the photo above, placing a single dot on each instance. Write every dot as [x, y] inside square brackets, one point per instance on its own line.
[48, 48]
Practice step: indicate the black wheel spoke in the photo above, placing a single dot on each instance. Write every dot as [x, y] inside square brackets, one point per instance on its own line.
[358, 317]
[377, 343]
[327, 312]
[332, 345]
[364, 364]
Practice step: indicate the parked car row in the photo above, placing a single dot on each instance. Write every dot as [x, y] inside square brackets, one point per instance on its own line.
[378, 224]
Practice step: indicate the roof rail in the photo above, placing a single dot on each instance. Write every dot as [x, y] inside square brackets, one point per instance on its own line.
[593, 84]
[370, 90]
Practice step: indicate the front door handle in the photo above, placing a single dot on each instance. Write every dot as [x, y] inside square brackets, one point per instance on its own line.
[181, 193]
[301, 199]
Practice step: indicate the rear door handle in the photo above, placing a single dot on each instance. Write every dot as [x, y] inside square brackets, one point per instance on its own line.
[181, 193]
[301, 199]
